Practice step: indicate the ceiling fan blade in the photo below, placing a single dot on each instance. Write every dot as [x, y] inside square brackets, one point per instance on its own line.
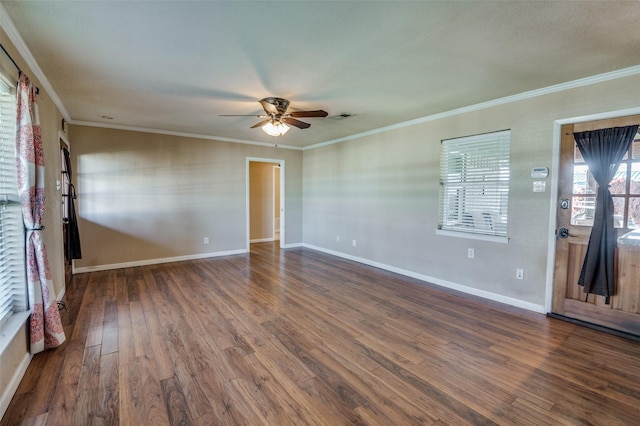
[296, 123]
[316, 113]
[242, 115]
[260, 124]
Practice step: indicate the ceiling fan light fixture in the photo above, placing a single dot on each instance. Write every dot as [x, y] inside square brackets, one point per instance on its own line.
[275, 128]
[276, 120]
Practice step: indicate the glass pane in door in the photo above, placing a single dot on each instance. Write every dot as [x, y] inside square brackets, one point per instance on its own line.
[583, 181]
[582, 210]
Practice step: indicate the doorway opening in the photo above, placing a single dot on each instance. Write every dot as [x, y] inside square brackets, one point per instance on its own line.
[265, 201]
[63, 185]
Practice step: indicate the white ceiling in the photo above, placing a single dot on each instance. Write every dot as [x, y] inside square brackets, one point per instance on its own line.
[176, 65]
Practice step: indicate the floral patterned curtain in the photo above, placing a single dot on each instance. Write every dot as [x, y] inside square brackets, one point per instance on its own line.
[45, 325]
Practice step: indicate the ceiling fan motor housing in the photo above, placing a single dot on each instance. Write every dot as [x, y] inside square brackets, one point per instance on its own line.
[280, 104]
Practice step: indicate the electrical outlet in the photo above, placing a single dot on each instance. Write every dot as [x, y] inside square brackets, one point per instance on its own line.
[520, 274]
[354, 243]
[206, 240]
[471, 253]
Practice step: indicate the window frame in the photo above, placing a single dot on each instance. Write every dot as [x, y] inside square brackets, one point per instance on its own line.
[631, 158]
[13, 284]
[475, 171]
[626, 167]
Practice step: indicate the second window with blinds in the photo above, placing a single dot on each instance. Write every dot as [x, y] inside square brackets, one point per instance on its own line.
[13, 303]
[474, 185]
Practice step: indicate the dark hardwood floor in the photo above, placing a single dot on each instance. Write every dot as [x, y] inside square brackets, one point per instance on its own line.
[298, 337]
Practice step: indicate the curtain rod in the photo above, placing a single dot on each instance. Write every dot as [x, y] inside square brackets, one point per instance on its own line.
[14, 64]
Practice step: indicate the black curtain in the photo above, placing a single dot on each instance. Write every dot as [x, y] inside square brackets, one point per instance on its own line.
[72, 247]
[602, 150]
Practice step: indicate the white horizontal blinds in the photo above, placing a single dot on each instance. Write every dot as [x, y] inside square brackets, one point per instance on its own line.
[12, 269]
[474, 183]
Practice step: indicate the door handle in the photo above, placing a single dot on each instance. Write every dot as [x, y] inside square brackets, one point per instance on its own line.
[563, 233]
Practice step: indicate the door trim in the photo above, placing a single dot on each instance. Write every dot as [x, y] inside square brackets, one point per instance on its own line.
[276, 172]
[555, 164]
[280, 163]
[63, 140]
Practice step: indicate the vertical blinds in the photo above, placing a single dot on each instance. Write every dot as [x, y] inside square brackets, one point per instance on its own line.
[474, 183]
[12, 270]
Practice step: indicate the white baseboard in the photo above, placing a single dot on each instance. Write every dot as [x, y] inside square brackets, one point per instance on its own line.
[11, 389]
[262, 240]
[96, 268]
[432, 280]
[294, 245]
[62, 292]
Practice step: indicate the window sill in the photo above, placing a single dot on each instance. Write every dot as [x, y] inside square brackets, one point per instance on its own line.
[472, 236]
[10, 329]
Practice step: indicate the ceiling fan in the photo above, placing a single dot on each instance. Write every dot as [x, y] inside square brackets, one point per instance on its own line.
[276, 118]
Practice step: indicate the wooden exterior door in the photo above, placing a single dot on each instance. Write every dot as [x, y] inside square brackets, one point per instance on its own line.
[576, 202]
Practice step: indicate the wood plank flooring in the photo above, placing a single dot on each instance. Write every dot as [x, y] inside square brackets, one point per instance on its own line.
[298, 337]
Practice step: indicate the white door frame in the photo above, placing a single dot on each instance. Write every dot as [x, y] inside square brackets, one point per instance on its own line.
[276, 172]
[555, 164]
[280, 163]
[63, 138]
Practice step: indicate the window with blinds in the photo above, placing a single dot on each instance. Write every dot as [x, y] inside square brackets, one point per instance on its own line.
[474, 184]
[12, 269]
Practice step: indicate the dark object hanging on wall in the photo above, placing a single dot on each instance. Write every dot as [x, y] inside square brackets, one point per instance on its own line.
[602, 150]
[72, 243]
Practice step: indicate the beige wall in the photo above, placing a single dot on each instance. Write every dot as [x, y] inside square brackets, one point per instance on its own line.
[50, 121]
[382, 190]
[145, 196]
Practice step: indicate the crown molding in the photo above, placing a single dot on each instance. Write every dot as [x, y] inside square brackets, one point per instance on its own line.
[12, 32]
[587, 81]
[180, 134]
[7, 24]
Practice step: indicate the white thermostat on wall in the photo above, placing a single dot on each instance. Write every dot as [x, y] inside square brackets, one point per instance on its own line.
[539, 172]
